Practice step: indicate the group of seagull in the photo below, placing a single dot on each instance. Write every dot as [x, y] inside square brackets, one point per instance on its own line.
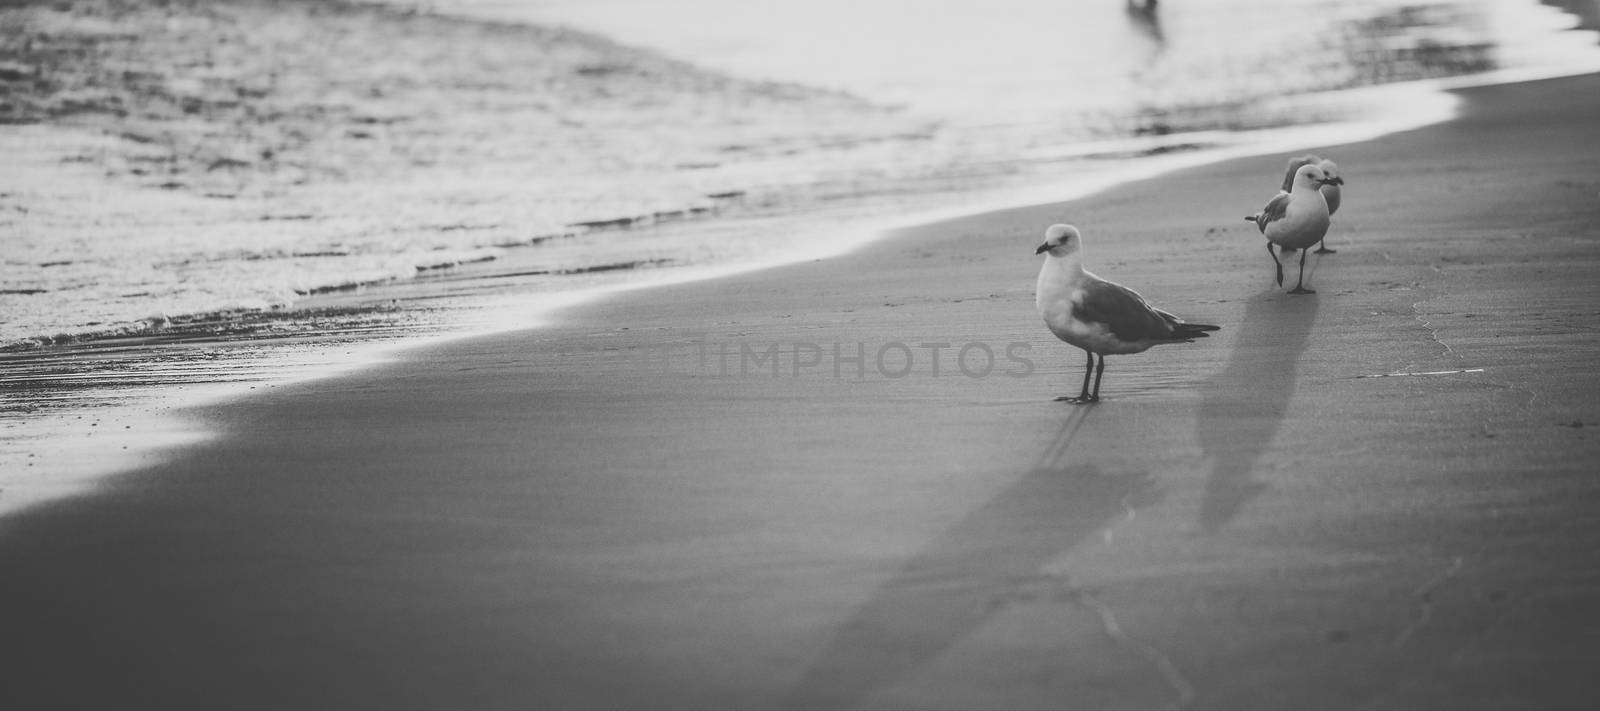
[1106, 318]
[1298, 216]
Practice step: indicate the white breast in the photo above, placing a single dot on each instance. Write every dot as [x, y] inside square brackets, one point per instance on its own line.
[1330, 193]
[1304, 223]
[1056, 293]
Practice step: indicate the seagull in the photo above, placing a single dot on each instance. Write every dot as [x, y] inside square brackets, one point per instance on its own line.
[1330, 191]
[1099, 316]
[1296, 219]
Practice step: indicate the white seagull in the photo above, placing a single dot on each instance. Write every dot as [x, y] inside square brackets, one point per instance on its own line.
[1101, 317]
[1330, 191]
[1296, 220]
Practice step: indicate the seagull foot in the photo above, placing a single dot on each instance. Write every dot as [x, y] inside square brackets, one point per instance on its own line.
[1301, 290]
[1078, 400]
[1325, 250]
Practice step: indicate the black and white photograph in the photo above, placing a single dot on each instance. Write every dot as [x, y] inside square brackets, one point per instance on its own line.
[800, 355]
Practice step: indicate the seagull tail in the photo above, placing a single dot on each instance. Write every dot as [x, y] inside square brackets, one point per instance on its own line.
[1252, 218]
[1188, 331]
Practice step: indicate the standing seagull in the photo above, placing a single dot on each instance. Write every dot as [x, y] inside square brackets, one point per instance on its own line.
[1296, 220]
[1330, 191]
[1099, 316]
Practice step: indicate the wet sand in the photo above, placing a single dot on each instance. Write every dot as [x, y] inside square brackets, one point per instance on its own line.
[636, 509]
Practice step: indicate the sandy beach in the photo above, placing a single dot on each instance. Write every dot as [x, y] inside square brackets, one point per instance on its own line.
[740, 494]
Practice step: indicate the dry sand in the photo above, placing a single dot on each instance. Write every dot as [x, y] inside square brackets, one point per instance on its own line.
[594, 515]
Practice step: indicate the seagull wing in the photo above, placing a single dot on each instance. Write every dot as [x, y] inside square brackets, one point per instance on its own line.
[1171, 319]
[1274, 211]
[1122, 311]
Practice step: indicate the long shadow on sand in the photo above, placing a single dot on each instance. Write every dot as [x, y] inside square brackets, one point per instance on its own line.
[1245, 404]
[949, 588]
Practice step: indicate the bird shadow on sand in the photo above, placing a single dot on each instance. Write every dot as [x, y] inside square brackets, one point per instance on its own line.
[965, 575]
[1243, 406]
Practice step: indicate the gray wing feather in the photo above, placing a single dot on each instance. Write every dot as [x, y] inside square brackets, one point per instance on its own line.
[1274, 211]
[1123, 311]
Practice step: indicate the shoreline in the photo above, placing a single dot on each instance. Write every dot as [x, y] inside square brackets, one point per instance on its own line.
[276, 360]
[1104, 163]
[533, 500]
[238, 361]
[252, 362]
[365, 275]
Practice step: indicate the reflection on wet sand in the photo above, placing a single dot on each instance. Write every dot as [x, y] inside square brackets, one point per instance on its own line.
[952, 586]
[1245, 404]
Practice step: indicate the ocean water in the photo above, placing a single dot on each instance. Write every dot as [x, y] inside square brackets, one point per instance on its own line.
[841, 112]
[1093, 64]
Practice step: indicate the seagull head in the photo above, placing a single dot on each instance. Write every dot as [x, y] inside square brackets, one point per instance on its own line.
[1060, 241]
[1331, 171]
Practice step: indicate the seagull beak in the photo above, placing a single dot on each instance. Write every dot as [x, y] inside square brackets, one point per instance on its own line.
[1331, 181]
[1338, 181]
[1042, 248]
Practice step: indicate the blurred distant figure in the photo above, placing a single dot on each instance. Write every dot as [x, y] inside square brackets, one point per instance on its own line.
[1144, 17]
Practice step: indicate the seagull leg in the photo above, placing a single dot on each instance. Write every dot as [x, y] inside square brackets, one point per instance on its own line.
[1322, 247]
[1099, 371]
[1274, 256]
[1082, 397]
[1300, 286]
[1088, 365]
